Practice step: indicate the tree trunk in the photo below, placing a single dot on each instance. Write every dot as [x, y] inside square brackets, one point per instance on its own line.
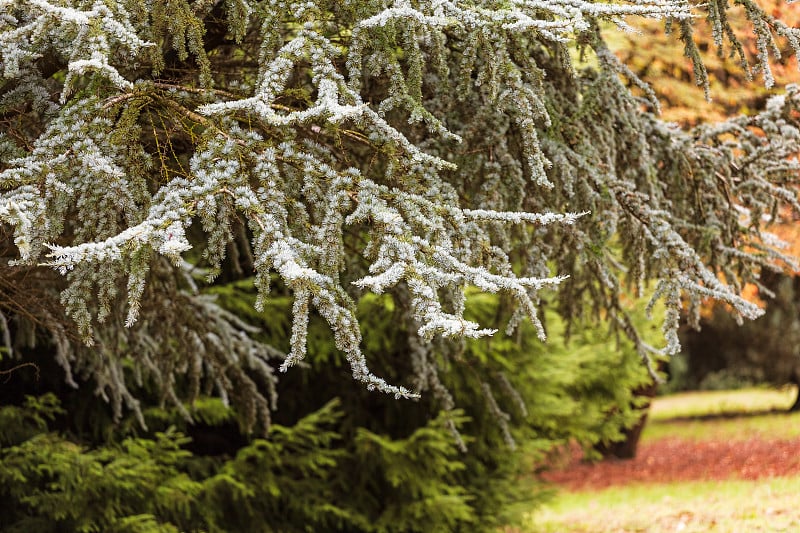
[626, 448]
[796, 405]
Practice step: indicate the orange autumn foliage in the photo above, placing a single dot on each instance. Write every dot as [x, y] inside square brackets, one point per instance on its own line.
[659, 60]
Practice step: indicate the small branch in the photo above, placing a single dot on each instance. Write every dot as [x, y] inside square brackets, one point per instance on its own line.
[11, 370]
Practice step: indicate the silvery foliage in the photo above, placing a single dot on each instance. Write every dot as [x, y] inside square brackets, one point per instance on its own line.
[420, 147]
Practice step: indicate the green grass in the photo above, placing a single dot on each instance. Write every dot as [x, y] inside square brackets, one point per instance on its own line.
[670, 416]
[725, 506]
[693, 506]
[703, 403]
[772, 426]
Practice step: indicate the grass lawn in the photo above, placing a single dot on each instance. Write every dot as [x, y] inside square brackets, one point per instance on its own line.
[727, 506]
[704, 403]
[692, 506]
[677, 415]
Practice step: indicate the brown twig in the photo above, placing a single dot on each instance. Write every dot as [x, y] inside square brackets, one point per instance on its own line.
[13, 369]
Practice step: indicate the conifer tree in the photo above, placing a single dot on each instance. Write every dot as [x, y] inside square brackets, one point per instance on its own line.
[340, 147]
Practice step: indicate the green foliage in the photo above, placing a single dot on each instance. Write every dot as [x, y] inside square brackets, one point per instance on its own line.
[522, 399]
[153, 484]
[52, 484]
[279, 484]
[340, 459]
[18, 424]
[581, 388]
[293, 481]
[413, 484]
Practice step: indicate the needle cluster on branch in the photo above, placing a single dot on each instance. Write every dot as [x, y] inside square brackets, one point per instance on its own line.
[417, 147]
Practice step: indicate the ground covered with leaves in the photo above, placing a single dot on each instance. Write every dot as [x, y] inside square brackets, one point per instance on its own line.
[678, 459]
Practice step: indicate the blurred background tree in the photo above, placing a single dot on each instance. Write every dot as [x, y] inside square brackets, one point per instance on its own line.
[659, 59]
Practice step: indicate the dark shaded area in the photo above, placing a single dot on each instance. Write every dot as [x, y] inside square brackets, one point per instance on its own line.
[763, 351]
